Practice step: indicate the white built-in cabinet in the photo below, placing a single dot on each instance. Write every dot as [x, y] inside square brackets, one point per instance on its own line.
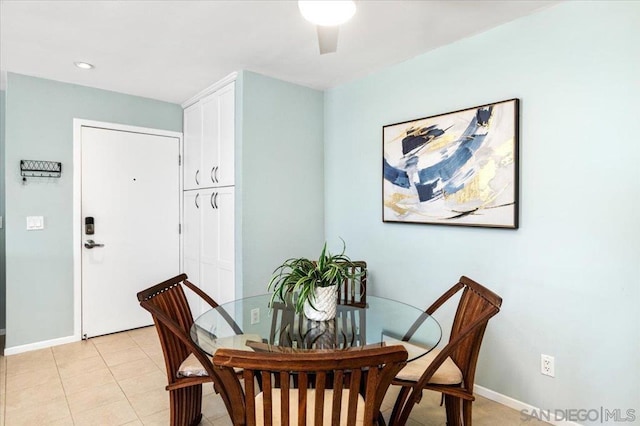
[209, 136]
[208, 197]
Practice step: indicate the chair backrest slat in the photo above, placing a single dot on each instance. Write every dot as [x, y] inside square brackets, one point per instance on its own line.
[354, 389]
[303, 381]
[285, 381]
[320, 385]
[338, 383]
[353, 291]
[371, 380]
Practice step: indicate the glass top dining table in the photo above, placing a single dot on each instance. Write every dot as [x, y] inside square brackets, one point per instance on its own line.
[274, 326]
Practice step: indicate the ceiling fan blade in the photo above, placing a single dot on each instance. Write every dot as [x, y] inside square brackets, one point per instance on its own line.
[327, 38]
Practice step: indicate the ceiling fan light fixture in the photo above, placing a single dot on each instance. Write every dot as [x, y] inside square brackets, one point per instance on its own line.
[327, 12]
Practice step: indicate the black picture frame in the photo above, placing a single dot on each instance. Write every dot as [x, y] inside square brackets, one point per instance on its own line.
[457, 168]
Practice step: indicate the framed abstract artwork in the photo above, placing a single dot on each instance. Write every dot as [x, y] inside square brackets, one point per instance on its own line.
[458, 168]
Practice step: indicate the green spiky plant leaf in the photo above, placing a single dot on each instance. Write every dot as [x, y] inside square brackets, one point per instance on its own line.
[296, 279]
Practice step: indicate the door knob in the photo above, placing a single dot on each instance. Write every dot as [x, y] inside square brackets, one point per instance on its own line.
[91, 244]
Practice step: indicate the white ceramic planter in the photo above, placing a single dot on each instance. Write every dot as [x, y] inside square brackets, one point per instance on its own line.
[325, 300]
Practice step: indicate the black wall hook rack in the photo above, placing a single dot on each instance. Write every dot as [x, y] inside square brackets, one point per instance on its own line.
[37, 168]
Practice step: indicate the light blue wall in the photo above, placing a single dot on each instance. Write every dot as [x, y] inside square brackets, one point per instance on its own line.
[570, 276]
[2, 232]
[280, 187]
[39, 126]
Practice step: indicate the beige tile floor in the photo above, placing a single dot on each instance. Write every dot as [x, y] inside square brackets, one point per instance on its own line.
[119, 380]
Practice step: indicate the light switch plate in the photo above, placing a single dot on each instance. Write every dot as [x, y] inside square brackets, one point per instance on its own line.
[35, 223]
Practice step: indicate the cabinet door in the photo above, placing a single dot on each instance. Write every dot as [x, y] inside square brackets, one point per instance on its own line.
[210, 139]
[218, 137]
[224, 202]
[191, 230]
[209, 245]
[217, 255]
[226, 145]
[192, 146]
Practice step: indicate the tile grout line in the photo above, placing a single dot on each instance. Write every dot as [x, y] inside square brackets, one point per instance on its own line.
[66, 399]
[125, 394]
[118, 382]
[152, 362]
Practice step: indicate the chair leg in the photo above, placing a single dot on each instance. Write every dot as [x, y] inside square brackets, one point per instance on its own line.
[466, 412]
[400, 402]
[452, 407]
[186, 406]
[403, 406]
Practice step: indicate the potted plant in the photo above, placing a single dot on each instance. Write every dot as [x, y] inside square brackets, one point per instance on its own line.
[312, 286]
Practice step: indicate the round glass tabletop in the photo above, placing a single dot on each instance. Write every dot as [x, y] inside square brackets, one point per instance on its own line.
[379, 321]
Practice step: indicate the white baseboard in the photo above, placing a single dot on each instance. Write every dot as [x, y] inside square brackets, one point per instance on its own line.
[535, 412]
[40, 345]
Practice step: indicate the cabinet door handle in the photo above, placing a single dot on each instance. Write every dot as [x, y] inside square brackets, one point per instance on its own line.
[212, 175]
[215, 200]
[212, 200]
[196, 201]
[215, 173]
[197, 174]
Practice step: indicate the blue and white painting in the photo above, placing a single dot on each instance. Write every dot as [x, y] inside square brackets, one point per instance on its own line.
[458, 168]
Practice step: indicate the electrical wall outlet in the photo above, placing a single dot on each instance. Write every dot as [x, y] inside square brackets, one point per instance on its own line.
[255, 315]
[547, 365]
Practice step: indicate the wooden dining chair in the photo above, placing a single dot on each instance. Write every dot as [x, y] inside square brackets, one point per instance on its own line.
[451, 370]
[347, 387]
[188, 367]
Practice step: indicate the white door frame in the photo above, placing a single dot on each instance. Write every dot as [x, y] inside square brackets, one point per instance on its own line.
[77, 205]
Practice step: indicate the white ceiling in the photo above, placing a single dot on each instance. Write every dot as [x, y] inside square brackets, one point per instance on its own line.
[170, 50]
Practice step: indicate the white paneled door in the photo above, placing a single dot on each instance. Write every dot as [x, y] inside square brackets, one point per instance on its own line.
[131, 199]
